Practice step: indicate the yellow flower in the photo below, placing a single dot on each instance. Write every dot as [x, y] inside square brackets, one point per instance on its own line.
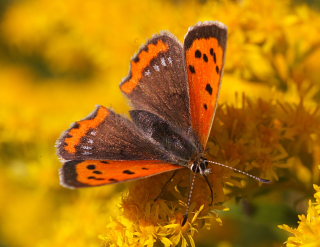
[149, 229]
[308, 232]
[254, 136]
[145, 221]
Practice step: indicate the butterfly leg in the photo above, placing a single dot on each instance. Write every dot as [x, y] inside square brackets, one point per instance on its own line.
[165, 185]
[210, 187]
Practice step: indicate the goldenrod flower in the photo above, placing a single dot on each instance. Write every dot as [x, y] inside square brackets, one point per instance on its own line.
[254, 136]
[308, 232]
[144, 221]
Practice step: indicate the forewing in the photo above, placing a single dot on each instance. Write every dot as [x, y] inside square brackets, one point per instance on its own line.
[157, 81]
[205, 48]
[106, 135]
[76, 174]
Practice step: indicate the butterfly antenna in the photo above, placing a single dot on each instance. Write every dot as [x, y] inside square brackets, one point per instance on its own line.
[262, 180]
[186, 215]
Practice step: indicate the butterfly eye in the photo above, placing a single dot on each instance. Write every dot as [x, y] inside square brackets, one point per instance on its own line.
[195, 168]
[203, 165]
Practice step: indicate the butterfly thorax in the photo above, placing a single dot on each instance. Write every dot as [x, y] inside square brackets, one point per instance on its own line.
[200, 166]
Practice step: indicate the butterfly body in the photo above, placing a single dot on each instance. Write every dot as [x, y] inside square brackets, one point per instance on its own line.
[173, 89]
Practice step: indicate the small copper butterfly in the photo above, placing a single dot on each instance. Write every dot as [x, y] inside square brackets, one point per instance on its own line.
[173, 89]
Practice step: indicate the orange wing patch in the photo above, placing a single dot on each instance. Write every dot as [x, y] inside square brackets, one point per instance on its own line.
[82, 127]
[95, 172]
[204, 61]
[140, 62]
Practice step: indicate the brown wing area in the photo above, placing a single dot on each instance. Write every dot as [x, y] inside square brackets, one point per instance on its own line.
[157, 81]
[205, 46]
[75, 174]
[107, 135]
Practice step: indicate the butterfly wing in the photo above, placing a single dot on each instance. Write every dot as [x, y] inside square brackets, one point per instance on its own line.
[107, 148]
[105, 135]
[205, 48]
[157, 81]
[88, 173]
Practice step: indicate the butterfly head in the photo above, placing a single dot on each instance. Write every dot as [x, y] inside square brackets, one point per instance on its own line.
[200, 166]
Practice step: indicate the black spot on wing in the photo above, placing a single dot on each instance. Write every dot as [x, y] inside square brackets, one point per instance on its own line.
[209, 89]
[91, 167]
[104, 162]
[197, 54]
[205, 106]
[76, 125]
[97, 172]
[213, 54]
[128, 172]
[205, 58]
[113, 180]
[95, 178]
[144, 168]
[217, 69]
[192, 69]
[146, 48]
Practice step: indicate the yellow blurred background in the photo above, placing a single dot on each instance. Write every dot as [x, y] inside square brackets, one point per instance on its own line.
[59, 59]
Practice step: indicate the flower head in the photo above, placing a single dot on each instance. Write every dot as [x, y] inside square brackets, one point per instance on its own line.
[308, 231]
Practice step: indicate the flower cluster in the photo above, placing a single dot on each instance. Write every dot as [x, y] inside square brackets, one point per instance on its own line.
[308, 231]
[255, 136]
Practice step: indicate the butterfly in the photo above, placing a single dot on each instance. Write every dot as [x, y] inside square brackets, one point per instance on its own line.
[173, 89]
